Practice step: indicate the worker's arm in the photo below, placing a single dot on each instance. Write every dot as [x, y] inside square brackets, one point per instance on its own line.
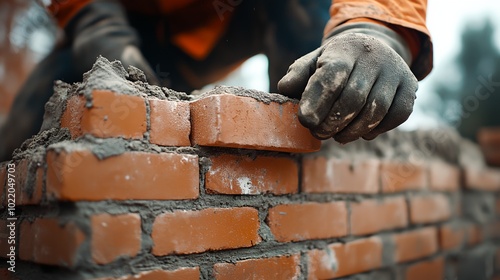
[362, 81]
[96, 28]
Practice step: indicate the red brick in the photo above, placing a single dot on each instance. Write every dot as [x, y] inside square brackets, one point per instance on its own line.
[114, 236]
[296, 222]
[429, 270]
[5, 274]
[111, 115]
[415, 244]
[28, 181]
[489, 140]
[186, 232]
[473, 234]
[5, 233]
[444, 177]
[242, 122]
[79, 175]
[185, 273]
[486, 179]
[3, 182]
[230, 174]
[339, 260]
[321, 175]
[48, 241]
[170, 125]
[451, 236]
[283, 267]
[372, 215]
[401, 176]
[27, 239]
[429, 208]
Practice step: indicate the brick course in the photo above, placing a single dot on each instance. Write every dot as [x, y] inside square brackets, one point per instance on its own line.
[218, 188]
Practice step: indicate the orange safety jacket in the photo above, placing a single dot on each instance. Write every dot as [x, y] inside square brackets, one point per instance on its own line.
[406, 17]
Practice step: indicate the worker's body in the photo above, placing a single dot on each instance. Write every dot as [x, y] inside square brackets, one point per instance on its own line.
[354, 77]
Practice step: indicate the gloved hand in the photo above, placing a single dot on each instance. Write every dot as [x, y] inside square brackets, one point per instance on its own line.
[101, 28]
[357, 84]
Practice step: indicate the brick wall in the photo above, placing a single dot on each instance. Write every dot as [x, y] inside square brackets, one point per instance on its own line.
[158, 185]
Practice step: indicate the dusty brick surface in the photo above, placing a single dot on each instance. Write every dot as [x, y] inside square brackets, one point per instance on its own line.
[111, 115]
[321, 175]
[185, 273]
[170, 123]
[231, 174]
[372, 215]
[296, 222]
[132, 175]
[451, 236]
[187, 232]
[444, 177]
[3, 183]
[5, 235]
[345, 259]
[283, 267]
[429, 270]
[28, 192]
[243, 122]
[402, 176]
[415, 244]
[473, 234]
[115, 236]
[47, 241]
[429, 208]
[487, 179]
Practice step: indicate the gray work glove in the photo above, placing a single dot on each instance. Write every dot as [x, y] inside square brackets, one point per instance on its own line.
[101, 28]
[357, 84]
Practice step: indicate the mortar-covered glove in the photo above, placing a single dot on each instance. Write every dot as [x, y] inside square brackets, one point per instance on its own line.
[357, 84]
[101, 28]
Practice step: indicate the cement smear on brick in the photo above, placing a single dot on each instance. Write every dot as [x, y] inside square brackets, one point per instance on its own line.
[260, 96]
[443, 144]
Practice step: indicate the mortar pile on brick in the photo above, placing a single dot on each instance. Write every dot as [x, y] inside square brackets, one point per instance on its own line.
[131, 181]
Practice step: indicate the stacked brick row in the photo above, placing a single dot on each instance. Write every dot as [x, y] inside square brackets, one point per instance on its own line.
[225, 187]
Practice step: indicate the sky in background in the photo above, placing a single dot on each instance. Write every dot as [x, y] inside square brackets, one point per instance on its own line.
[446, 19]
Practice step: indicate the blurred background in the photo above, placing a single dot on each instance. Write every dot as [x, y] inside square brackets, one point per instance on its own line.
[463, 90]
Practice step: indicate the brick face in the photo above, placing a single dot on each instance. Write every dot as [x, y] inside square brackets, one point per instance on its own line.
[170, 125]
[231, 174]
[47, 241]
[372, 215]
[451, 236]
[345, 259]
[415, 244]
[283, 267]
[482, 179]
[132, 175]
[185, 273]
[430, 270]
[444, 177]
[114, 236]
[243, 122]
[321, 175]
[3, 183]
[296, 222]
[429, 208]
[28, 183]
[187, 232]
[111, 115]
[401, 176]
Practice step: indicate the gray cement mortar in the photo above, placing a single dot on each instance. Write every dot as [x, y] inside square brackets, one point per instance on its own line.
[443, 144]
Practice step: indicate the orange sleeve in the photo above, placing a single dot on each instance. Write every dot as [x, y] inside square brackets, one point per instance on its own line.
[407, 17]
[64, 11]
